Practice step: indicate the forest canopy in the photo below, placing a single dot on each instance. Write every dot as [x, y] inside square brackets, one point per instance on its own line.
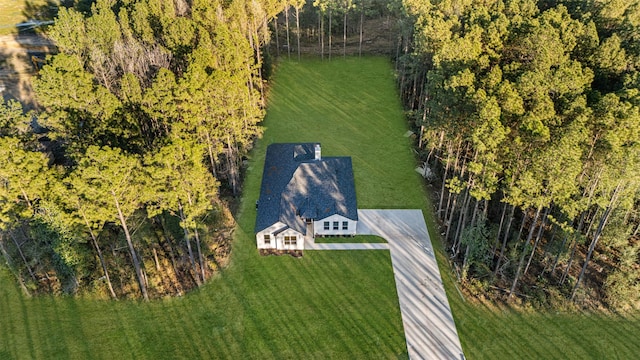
[531, 113]
[146, 113]
[528, 112]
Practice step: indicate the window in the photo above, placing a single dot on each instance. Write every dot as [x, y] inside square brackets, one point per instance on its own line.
[290, 240]
[345, 225]
[326, 225]
[335, 225]
[267, 239]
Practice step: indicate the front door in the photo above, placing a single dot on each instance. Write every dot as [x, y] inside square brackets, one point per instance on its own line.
[310, 234]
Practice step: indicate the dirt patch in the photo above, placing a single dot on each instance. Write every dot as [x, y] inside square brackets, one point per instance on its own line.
[20, 58]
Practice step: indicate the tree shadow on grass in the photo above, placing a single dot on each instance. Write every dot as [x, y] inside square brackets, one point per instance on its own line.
[47, 10]
[23, 53]
[13, 86]
[21, 56]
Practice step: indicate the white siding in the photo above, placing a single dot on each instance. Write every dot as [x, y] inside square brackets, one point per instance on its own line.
[281, 240]
[278, 241]
[272, 239]
[320, 227]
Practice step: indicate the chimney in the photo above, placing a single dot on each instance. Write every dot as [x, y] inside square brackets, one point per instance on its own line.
[318, 152]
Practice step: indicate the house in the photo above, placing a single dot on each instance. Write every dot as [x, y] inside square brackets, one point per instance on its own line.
[304, 195]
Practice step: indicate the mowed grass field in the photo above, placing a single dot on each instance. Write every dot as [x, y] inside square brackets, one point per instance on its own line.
[11, 13]
[325, 305]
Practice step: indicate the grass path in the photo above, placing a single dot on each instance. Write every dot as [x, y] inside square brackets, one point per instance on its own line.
[326, 305]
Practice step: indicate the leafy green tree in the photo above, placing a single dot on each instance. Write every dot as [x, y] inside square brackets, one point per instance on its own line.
[110, 183]
[528, 106]
[184, 188]
[23, 181]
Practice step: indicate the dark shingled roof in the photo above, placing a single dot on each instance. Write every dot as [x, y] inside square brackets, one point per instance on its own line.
[296, 186]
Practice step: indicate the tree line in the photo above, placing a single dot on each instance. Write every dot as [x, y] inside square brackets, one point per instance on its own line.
[113, 186]
[328, 27]
[530, 112]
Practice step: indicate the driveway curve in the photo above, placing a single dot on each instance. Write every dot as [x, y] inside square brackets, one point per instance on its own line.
[426, 316]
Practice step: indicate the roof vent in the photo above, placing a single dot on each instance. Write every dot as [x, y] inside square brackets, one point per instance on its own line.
[318, 152]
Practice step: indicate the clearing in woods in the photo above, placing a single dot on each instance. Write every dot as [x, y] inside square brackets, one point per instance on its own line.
[326, 304]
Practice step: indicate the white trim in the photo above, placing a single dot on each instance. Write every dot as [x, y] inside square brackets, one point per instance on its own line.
[277, 233]
[336, 224]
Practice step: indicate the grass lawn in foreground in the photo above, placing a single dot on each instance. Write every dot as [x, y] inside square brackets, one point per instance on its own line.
[384, 179]
[326, 305]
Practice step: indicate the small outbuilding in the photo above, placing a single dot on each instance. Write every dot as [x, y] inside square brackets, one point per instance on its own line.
[304, 195]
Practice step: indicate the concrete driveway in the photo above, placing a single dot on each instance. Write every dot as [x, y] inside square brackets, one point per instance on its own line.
[426, 316]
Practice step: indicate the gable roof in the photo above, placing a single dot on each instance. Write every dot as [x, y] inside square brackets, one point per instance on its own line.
[296, 186]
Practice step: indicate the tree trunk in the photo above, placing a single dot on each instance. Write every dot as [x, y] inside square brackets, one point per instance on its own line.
[446, 209]
[258, 64]
[537, 241]
[24, 259]
[330, 32]
[321, 34]
[211, 156]
[547, 248]
[461, 223]
[574, 247]
[495, 243]
[103, 264]
[7, 259]
[465, 262]
[298, 29]
[286, 17]
[198, 248]
[188, 242]
[596, 237]
[449, 219]
[525, 216]
[344, 35]
[505, 238]
[571, 257]
[156, 261]
[524, 253]
[132, 250]
[233, 170]
[361, 27]
[275, 25]
[474, 217]
[200, 257]
[172, 255]
[444, 181]
[591, 220]
[555, 262]
[421, 132]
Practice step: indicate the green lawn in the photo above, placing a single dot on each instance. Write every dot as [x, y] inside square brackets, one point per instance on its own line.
[340, 305]
[325, 305]
[12, 13]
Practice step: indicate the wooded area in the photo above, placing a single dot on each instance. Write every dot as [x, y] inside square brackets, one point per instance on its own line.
[115, 185]
[530, 112]
[144, 117]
